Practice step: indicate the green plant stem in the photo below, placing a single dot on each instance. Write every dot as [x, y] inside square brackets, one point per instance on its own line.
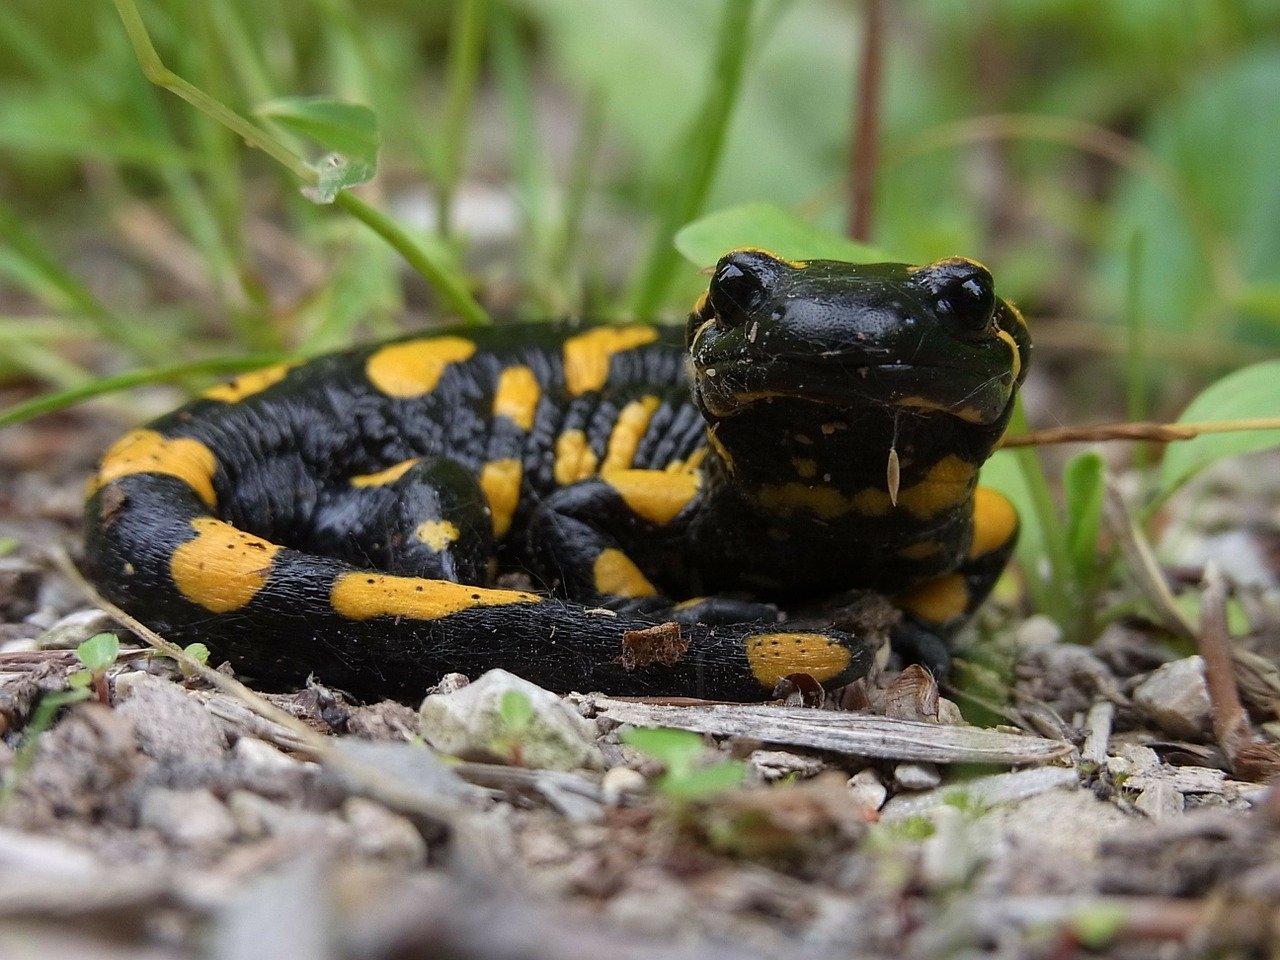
[432, 268]
[1054, 597]
[1136, 368]
[51, 402]
[697, 161]
[465, 46]
[445, 281]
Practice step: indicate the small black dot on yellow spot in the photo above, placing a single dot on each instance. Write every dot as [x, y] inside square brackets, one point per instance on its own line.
[475, 596]
[370, 580]
[418, 588]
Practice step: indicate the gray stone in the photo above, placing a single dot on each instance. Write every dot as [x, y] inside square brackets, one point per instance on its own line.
[470, 723]
[1176, 699]
[917, 776]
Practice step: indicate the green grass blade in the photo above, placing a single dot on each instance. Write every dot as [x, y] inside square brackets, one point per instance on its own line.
[466, 42]
[696, 162]
[52, 402]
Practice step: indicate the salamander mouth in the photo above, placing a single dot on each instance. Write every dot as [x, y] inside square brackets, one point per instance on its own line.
[852, 383]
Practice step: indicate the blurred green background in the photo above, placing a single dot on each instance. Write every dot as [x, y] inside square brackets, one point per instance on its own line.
[1115, 162]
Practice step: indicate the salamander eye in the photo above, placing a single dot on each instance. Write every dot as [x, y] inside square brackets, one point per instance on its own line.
[962, 289]
[740, 284]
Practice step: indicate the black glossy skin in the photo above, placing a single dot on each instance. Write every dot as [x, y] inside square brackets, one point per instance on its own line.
[777, 350]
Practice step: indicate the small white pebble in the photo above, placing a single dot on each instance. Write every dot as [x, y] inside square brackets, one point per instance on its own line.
[917, 776]
[619, 781]
[866, 790]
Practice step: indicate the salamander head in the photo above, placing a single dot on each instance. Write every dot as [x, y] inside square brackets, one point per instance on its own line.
[923, 340]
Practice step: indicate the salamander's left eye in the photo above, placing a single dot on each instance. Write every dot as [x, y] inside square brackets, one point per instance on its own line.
[962, 289]
[740, 284]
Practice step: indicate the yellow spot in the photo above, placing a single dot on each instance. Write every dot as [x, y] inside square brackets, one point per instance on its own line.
[436, 534]
[655, 495]
[147, 451]
[937, 600]
[615, 574]
[806, 468]
[587, 356]
[995, 521]
[517, 396]
[689, 604]
[223, 568]
[248, 384]
[920, 551]
[725, 457]
[947, 484]
[1015, 361]
[628, 431]
[362, 596]
[773, 656]
[968, 414]
[414, 368]
[500, 481]
[826, 503]
[575, 460]
[382, 477]
[691, 464]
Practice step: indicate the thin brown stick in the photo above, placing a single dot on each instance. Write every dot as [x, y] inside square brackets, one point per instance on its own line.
[1230, 724]
[1142, 430]
[866, 122]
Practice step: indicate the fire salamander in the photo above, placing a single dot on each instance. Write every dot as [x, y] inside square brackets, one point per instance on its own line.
[818, 427]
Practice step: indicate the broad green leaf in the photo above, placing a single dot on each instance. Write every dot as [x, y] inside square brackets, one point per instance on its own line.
[677, 749]
[703, 783]
[348, 131]
[197, 651]
[765, 225]
[1082, 482]
[515, 710]
[99, 651]
[1246, 394]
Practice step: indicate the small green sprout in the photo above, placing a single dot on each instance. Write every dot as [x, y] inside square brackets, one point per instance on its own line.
[97, 654]
[515, 717]
[8, 545]
[678, 750]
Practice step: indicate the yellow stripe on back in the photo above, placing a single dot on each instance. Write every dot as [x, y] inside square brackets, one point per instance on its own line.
[517, 396]
[383, 477]
[587, 355]
[628, 430]
[246, 385]
[414, 368]
[575, 460]
[500, 481]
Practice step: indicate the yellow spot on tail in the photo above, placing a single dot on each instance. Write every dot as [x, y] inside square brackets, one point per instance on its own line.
[937, 600]
[628, 430]
[383, 477]
[615, 574]
[362, 596]
[223, 568]
[249, 383]
[500, 481]
[147, 451]
[968, 414]
[995, 521]
[653, 494]
[773, 656]
[587, 356]
[517, 396]
[414, 368]
[1015, 361]
[575, 460]
[436, 534]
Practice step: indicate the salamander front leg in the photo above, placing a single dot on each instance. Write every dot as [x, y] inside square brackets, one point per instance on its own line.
[935, 610]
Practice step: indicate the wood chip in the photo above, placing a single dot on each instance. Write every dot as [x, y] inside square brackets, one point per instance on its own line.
[847, 733]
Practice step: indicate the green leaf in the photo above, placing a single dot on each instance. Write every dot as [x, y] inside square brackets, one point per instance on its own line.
[99, 651]
[8, 545]
[1246, 394]
[772, 228]
[703, 783]
[1082, 481]
[197, 651]
[1097, 925]
[79, 680]
[515, 710]
[348, 131]
[677, 749]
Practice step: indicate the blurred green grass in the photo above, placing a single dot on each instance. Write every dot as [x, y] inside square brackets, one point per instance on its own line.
[1041, 136]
